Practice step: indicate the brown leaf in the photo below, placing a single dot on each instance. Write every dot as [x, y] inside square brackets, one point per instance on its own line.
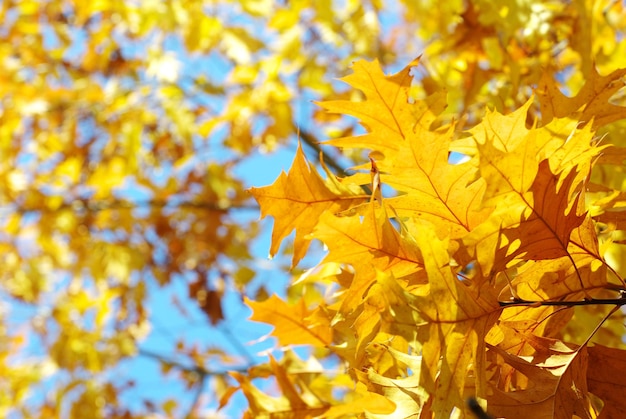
[558, 386]
[209, 300]
[607, 379]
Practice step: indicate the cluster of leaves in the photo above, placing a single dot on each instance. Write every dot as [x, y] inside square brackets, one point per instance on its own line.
[462, 279]
[482, 253]
[124, 125]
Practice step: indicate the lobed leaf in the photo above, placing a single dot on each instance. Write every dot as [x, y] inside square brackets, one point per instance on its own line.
[297, 199]
[293, 324]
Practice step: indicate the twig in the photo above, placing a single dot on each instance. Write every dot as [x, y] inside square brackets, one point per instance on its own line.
[310, 140]
[477, 409]
[602, 301]
[198, 369]
[237, 344]
[86, 205]
[196, 397]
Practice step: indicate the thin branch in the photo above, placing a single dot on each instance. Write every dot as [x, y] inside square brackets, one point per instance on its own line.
[201, 372]
[237, 344]
[86, 205]
[310, 140]
[196, 397]
[198, 369]
[477, 409]
[601, 301]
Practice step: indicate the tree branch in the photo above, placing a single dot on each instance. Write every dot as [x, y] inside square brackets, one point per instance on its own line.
[86, 205]
[600, 301]
[237, 344]
[198, 369]
[196, 397]
[310, 140]
[477, 409]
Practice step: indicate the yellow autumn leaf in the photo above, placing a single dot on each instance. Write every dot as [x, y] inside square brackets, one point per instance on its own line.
[457, 318]
[363, 401]
[560, 384]
[292, 325]
[297, 199]
[592, 103]
[606, 377]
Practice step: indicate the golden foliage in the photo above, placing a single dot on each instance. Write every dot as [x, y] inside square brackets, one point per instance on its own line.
[475, 250]
[481, 281]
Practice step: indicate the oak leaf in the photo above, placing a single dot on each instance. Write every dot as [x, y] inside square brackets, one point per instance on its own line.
[363, 401]
[384, 112]
[607, 379]
[431, 188]
[297, 199]
[293, 324]
[369, 241]
[591, 103]
[456, 318]
[290, 402]
[406, 391]
[534, 218]
[504, 132]
[582, 269]
[387, 309]
[558, 388]
[400, 130]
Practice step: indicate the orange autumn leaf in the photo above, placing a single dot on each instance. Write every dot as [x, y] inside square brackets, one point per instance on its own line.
[558, 383]
[535, 216]
[607, 378]
[406, 392]
[297, 199]
[554, 216]
[456, 317]
[455, 279]
[293, 324]
[384, 112]
[261, 404]
[363, 401]
[583, 265]
[369, 241]
[559, 386]
[591, 103]
[431, 188]
[301, 398]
